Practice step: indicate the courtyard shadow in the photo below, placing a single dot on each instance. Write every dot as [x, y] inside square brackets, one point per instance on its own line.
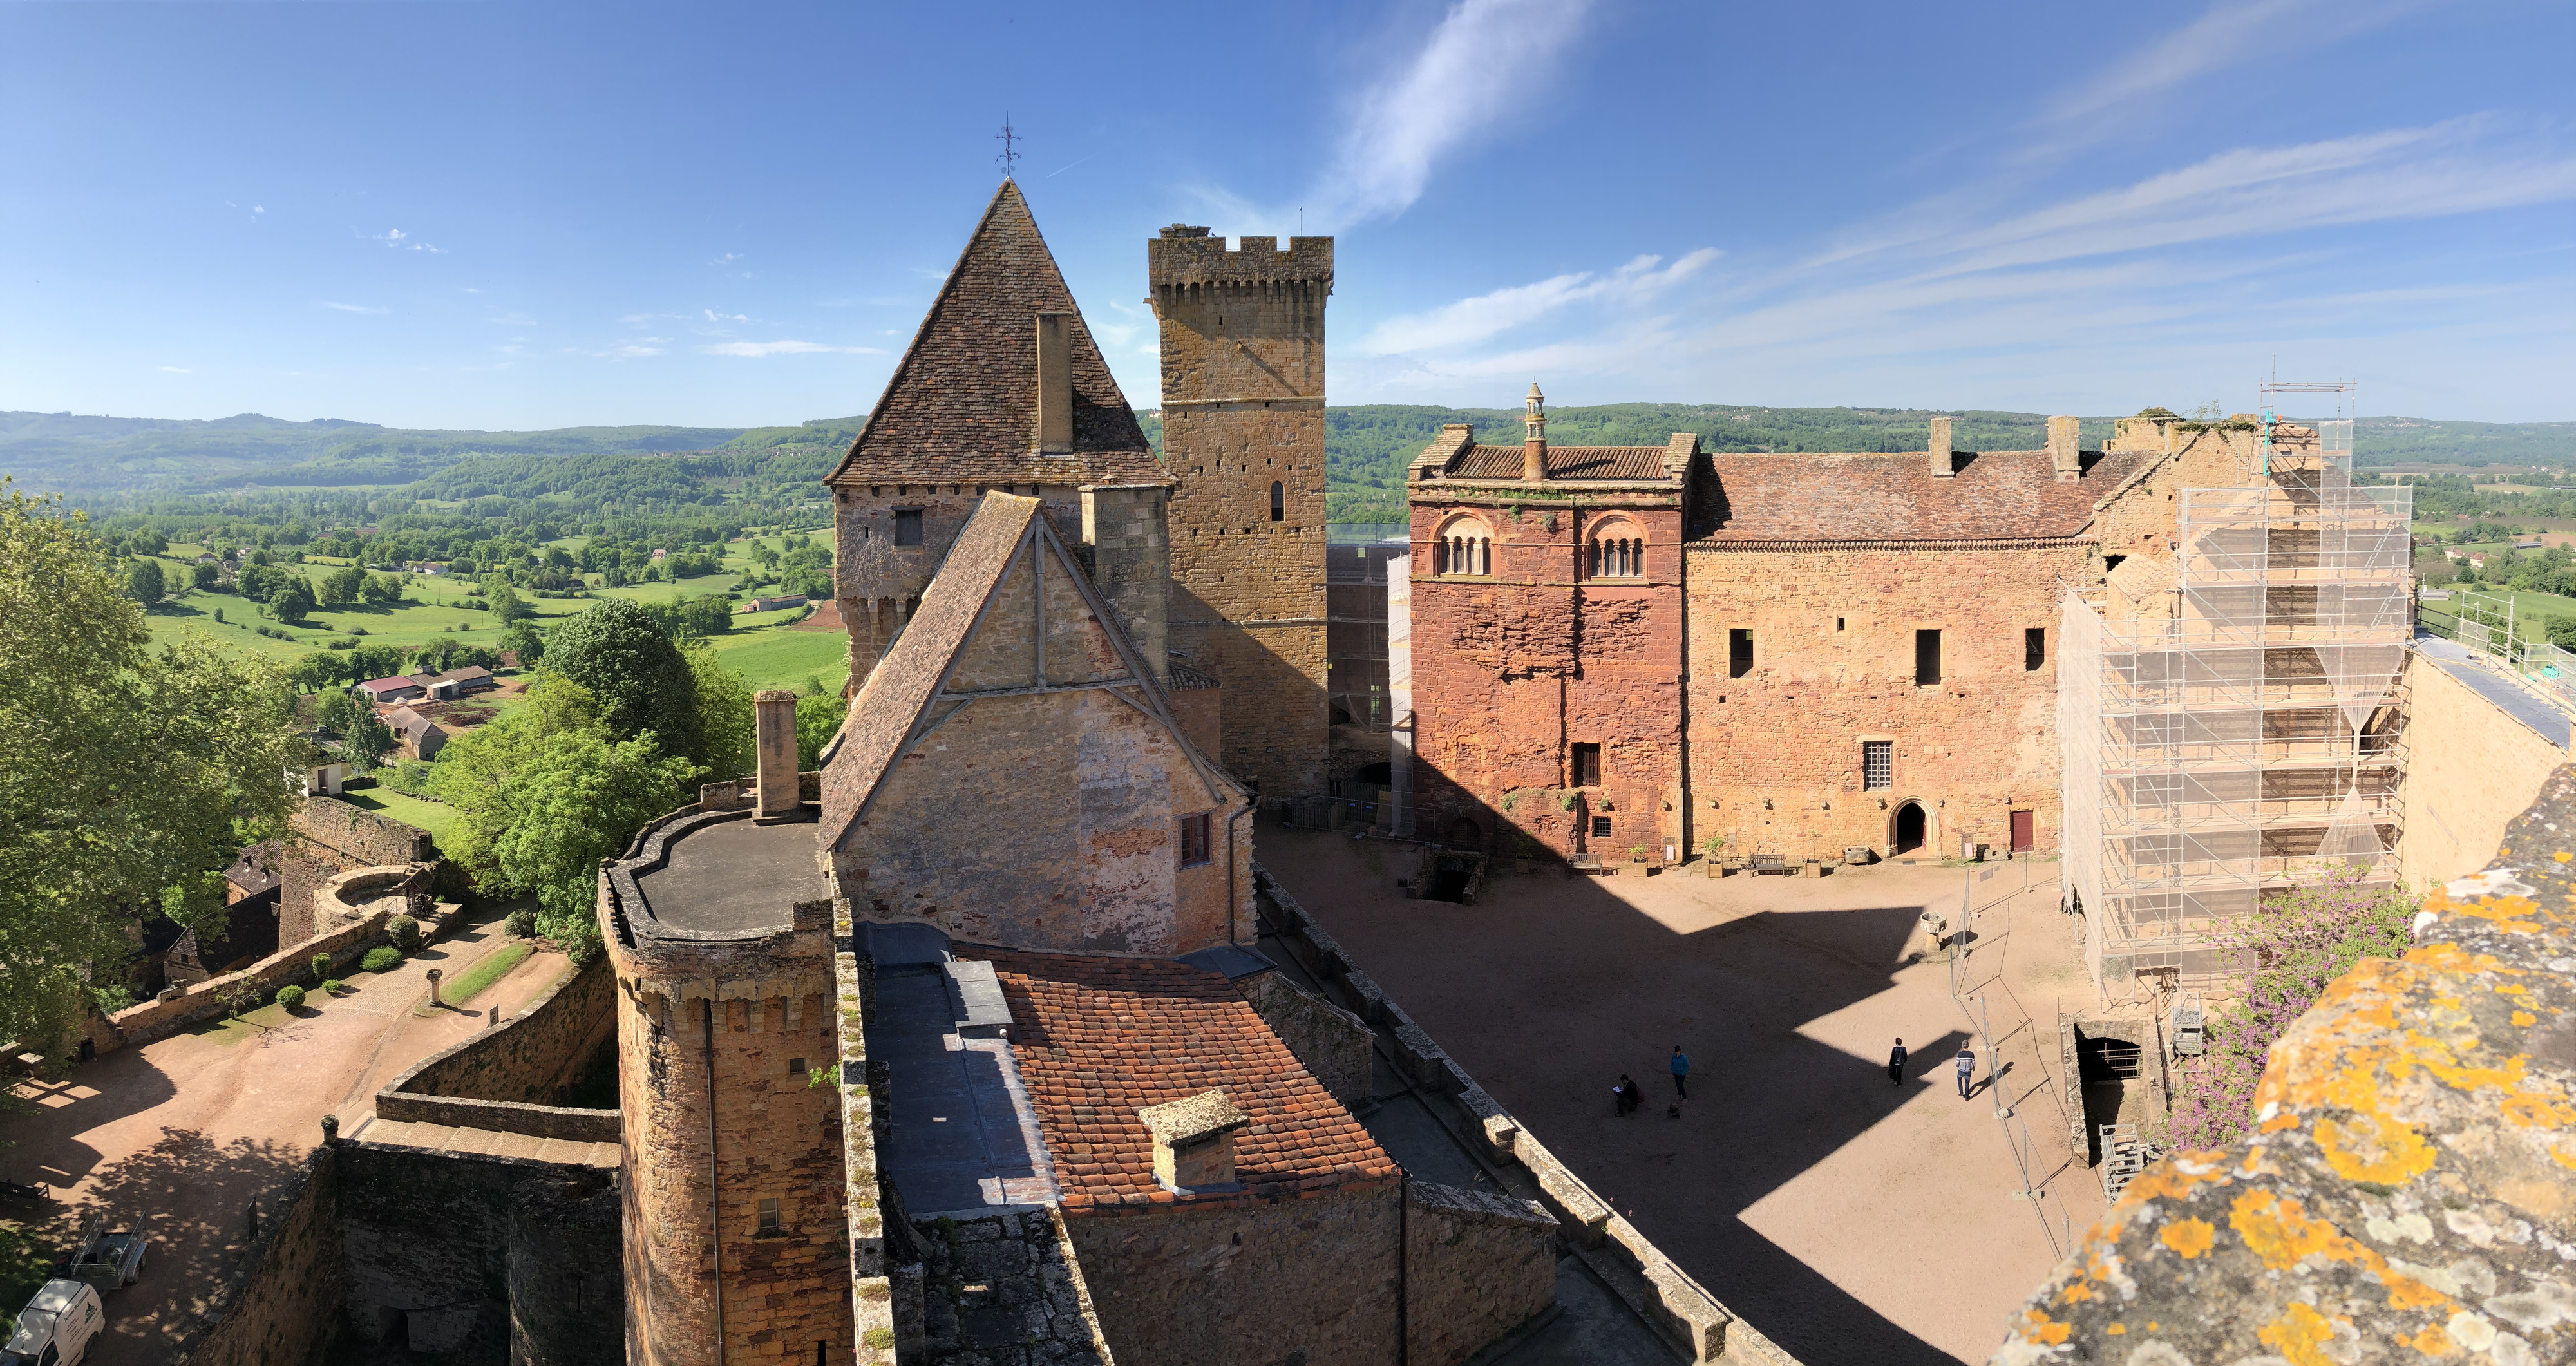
[38, 1136]
[1552, 987]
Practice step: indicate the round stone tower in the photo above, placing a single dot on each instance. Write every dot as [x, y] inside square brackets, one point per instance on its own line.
[718, 926]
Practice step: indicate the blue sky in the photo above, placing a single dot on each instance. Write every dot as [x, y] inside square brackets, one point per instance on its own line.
[512, 216]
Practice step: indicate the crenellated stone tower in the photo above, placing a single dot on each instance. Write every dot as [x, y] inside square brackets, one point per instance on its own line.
[1243, 432]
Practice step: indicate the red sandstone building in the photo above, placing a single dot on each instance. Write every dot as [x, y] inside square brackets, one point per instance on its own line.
[1644, 652]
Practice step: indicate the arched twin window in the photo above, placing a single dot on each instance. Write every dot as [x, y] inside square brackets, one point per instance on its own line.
[1278, 501]
[1463, 547]
[1616, 550]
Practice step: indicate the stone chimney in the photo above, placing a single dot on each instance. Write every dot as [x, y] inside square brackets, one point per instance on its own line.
[774, 739]
[1128, 532]
[1943, 465]
[1534, 440]
[1055, 384]
[1194, 1142]
[2063, 456]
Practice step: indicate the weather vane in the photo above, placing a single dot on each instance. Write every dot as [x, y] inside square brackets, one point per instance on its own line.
[1009, 158]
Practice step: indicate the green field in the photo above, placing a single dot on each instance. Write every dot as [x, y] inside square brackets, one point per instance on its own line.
[778, 657]
[418, 812]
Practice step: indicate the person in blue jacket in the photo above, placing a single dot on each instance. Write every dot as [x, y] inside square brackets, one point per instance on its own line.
[1681, 1072]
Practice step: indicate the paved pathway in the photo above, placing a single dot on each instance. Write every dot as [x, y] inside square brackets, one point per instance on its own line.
[187, 1131]
[1850, 1220]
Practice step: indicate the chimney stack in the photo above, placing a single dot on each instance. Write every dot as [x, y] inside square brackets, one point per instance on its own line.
[1943, 466]
[1194, 1142]
[774, 741]
[1534, 440]
[1055, 384]
[2063, 456]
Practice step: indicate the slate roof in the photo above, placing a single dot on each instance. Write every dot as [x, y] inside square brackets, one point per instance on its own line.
[1996, 495]
[961, 406]
[1101, 1038]
[255, 871]
[1563, 462]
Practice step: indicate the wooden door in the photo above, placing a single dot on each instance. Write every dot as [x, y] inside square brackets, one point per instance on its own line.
[2021, 832]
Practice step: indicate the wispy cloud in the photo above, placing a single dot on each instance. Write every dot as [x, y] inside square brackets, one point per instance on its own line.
[1486, 315]
[353, 308]
[631, 351]
[725, 260]
[783, 348]
[403, 241]
[715, 317]
[2229, 35]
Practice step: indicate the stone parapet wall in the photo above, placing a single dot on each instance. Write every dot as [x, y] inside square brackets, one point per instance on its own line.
[873, 1297]
[208, 999]
[329, 837]
[1477, 1266]
[1679, 1308]
[2410, 1192]
[742, 794]
[277, 1302]
[1334, 1044]
[1030, 1305]
[506, 1078]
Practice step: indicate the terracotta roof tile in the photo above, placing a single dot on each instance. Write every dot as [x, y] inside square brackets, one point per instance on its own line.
[1563, 462]
[961, 406]
[1996, 495]
[1102, 1038]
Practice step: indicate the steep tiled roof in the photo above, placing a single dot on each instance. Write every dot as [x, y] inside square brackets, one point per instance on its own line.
[900, 688]
[962, 404]
[1101, 1038]
[1563, 462]
[1996, 495]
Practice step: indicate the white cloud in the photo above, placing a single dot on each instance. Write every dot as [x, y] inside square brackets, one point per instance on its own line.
[354, 308]
[783, 348]
[2229, 35]
[1485, 61]
[472, 290]
[176, 370]
[715, 317]
[1486, 315]
[397, 238]
[725, 260]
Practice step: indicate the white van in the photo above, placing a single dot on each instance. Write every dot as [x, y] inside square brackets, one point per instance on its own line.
[56, 1328]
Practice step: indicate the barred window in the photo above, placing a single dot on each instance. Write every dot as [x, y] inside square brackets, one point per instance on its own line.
[1618, 558]
[1877, 765]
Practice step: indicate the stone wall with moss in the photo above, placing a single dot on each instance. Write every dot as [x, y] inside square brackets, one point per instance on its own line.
[2410, 1194]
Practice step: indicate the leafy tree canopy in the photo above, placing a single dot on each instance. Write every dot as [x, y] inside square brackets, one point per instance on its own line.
[624, 658]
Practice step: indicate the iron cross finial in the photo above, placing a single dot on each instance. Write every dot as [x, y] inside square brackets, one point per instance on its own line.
[1008, 137]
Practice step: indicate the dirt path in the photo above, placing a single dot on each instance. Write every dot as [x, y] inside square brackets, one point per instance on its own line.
[188, 1131]
[1851, 1219]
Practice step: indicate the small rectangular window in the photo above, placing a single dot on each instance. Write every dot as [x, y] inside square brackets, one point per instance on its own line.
[1601, 827]
[1877, 765]
[795, 1067]
[1739, 652]
[1927, 658]
[1838, 623]
[770, 1222]
[1194, 841]
[907, 526]
[1587, 765]
[2034, 648]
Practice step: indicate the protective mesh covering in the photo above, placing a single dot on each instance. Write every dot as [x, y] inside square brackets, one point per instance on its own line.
[2243, 730]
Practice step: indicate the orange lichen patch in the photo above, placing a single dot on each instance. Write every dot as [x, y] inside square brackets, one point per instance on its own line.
[2076, 1293]
[2174, 1177]
[2281, 1233]
[2563, 856]
[2299, 1335]
[2526, 1111]
[2432, 1342]
[2115, 1329]
[2287, 1119]
[2564, 1155]
[2369, 1148]
[2513, 991]
[2406, 1292]
[2445, 958]
[2188, 1237]
[2525, 1018]
[2507, 912]
[2038, 1327]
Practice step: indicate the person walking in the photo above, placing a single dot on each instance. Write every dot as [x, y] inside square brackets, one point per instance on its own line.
[1681, 1072]
[1967, 1070]
[1896, 1065]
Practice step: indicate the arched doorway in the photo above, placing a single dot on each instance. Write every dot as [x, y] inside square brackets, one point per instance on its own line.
[1907, 828]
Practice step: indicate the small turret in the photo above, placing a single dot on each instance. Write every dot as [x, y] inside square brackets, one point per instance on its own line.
[1534, 441]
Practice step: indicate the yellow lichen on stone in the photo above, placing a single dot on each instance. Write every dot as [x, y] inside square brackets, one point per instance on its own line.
[2115, 1329]
[2369, 1148]
[2300, 1335]
[2174, 1177]
[2280, 1232]
[2526, 1111]
[2038, 1327]
[2432, 1342]
[2188, 1237]
[2525, 1019]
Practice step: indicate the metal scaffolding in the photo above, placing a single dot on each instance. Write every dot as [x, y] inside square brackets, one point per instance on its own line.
[2241, 728]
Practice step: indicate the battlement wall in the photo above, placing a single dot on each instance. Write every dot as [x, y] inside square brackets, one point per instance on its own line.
[1190, 256]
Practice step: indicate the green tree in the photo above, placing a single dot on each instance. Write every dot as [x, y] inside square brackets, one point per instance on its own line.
[526, 640]
[336, 713]
[725, 716]
[382, 590]
[710, 615]
[819, 715]
[343, 589]
[622, 656]
[126, 773]
[547, 792]
[204, 577]
[506, 606]
[146, 583]
[369, 738]
[294, 601]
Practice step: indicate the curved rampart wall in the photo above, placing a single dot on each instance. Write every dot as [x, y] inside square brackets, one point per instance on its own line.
[2410, 1192]
[506, 1078]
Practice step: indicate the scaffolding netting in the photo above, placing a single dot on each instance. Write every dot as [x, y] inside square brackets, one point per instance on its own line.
[2243, 729]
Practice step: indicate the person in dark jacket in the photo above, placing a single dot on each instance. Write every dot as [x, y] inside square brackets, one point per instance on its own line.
[1896, 1065]
[1681, 1072]
[1628, 1094]
[1967, 1061]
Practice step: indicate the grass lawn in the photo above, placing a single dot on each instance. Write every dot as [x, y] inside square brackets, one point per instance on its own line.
[486, 970]
[778, 657]
[272, 1015]
[434, 817]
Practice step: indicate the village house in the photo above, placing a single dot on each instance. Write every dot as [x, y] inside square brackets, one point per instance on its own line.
[415, 735]
[393, 688]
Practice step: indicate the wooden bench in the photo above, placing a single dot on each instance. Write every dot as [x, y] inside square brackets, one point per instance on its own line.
[1771, 863]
